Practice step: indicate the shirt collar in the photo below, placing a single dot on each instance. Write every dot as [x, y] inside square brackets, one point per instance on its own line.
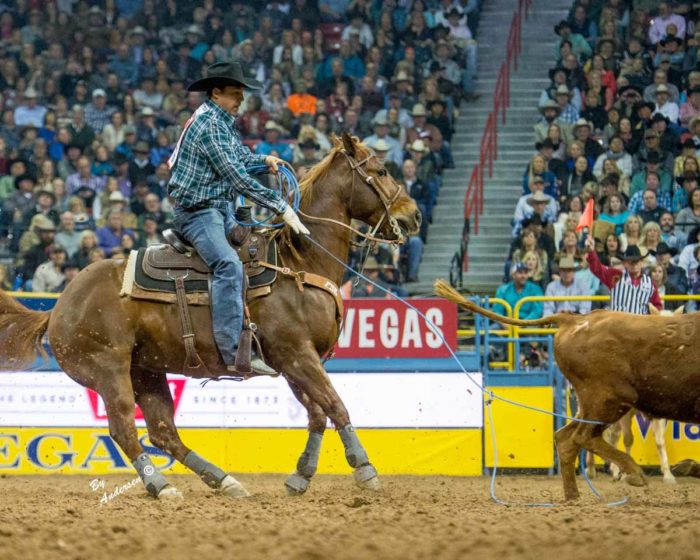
[229, 119]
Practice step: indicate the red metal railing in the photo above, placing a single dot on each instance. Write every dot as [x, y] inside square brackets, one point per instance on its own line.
[488, 152]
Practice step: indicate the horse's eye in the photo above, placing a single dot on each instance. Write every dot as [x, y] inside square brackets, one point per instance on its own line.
[382, 173]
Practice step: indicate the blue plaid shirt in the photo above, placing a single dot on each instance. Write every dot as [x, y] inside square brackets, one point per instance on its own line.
[636, 204]
[211, 166]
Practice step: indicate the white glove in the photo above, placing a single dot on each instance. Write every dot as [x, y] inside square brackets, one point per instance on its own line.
[293, 221]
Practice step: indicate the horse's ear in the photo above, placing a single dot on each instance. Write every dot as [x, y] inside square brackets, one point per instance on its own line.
[348, 144]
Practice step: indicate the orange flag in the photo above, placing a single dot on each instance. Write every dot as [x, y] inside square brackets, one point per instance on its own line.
[586, 220]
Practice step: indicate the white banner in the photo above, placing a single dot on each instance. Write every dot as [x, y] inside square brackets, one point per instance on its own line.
[374, 400]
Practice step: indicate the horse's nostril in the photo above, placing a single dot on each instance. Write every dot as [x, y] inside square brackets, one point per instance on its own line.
[419, 217]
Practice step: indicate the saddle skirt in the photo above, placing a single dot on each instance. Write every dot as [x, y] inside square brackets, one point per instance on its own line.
[152, 271]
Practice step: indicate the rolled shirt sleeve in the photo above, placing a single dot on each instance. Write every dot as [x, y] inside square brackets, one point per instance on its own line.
[233, 169]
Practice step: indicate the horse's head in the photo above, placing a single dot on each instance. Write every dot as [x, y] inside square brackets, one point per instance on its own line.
[375, 197]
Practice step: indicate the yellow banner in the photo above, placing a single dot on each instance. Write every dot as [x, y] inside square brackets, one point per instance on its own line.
[92, 451]
[524, 438]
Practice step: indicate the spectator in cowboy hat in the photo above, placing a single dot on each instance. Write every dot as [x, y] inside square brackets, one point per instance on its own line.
[583, 131]
[308, 156]
[48, 276]
[567, 112]
[429, 133]
[21, 201]
[44, 202]
[194, 37]
[426, 171]
[31, 256]
[652, 164]
[652, 143]
[119, 202]
[579, 45]
[668, 137]
[660, 77]
[141, 167]
[675, 274]
[566, 286]
[272, 145]
[30, 112]
[530, 204]
[550, 111]
[381, 130]
[97, 112]
[667, 108]
[381, 148]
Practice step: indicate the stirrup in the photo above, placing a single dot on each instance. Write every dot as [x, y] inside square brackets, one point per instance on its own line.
[253, 371]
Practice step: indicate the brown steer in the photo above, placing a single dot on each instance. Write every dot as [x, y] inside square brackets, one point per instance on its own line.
[616, 361]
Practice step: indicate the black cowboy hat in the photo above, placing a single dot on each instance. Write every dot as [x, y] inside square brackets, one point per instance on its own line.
[546, 143]
[630, 88]
[658, 117]
[561, 25]
[224, 74]
[670, 39]
[632, 254]
[25, 177]
[663, 249]
[556, 69]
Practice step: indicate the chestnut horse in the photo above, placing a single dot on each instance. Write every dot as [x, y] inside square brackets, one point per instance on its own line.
[122, 348]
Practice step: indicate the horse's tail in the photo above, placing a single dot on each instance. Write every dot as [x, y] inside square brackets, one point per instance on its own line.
[21, 330]
[443, 289]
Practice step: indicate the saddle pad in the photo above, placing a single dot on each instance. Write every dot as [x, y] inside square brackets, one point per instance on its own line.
[257, 279]
[147, 283]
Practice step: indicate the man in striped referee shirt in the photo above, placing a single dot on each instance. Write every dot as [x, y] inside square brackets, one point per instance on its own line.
[631, 291]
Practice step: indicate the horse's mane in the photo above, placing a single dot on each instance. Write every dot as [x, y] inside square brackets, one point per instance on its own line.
[314, 176]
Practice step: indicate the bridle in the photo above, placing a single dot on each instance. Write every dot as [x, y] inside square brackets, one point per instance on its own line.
[387, 201]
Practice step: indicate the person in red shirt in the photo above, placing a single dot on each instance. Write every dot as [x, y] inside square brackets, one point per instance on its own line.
[631, 291]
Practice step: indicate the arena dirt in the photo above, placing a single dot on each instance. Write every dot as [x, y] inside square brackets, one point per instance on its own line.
[413, 517]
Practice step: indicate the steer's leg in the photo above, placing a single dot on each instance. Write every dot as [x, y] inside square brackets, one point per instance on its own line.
[156, 402]
[567, 449]
[590, 436]
[658, 426]
[298, 482]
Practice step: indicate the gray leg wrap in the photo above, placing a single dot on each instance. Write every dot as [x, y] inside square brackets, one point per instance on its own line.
[354, 452]
[150, 475]
[298, 482]
[210, 474]
[308, 462]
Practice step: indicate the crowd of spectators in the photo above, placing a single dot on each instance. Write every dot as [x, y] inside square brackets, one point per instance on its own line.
[619, 124]
[93, 98]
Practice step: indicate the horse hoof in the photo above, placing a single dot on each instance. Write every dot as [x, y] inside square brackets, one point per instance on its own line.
[232, 488]
[373, 484]
[635, 479]
[367, 478]
[296, 484]
[170, 493]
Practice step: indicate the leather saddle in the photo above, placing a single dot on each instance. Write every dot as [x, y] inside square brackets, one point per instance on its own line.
[158, 266]
[176, 268]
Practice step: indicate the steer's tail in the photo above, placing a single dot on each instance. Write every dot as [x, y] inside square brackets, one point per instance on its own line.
[443, 289]
[21, 330]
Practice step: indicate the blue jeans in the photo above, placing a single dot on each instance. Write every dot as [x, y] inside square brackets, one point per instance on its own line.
[206, 230]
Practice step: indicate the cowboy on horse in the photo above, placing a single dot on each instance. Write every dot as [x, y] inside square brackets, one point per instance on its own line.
[209, 169]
